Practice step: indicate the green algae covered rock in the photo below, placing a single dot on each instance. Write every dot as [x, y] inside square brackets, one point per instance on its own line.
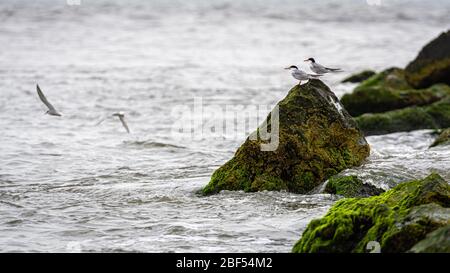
[437, 241]
[433, 116]
[443, 138]
[432, 65]
[389, 90]
[350, 186]
[317, 139]
[397, 219]
[392, 78]
[359, 77]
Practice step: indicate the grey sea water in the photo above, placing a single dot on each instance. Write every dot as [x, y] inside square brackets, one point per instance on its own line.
[69, 185]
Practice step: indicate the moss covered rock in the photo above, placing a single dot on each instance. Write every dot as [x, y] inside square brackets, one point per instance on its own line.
[443, 138]
[397, 219]
[432, 65]
[359, 77]
[437, 241]
[351, 186]
[317, 139]
[433, 116]
[389, 90]
[392, 78]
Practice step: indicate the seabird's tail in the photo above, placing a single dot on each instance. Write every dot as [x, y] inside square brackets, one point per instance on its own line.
[334, 69]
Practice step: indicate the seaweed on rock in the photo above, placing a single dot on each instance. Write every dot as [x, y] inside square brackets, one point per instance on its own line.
[397, 219]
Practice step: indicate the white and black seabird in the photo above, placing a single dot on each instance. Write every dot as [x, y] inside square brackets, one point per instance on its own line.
[51, 110]
[320, 69]
[301, 75]
[121, 116]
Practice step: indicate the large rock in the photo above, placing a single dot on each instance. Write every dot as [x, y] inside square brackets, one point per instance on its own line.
[397, 219]
[389, 90]
[432, 65]
[433, 116]
[442, 139]
[350, 186]
[317, 139]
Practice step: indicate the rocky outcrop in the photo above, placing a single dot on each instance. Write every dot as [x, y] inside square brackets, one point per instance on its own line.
[388, 91]
[351, 186]
[317, 139]
[432, 65]
[398, 100]
[442, 139]
[398, 219]
[359, 77]
[434, 116]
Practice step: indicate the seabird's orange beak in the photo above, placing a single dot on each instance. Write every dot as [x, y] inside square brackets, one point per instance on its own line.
[306, 60]
[287, 68]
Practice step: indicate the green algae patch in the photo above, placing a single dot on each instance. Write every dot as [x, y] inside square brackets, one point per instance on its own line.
[350, 186]
[432, 65]
[359, 77]
[397, 219]
[442, 139]
[317, 139]
[388, 91]
[433, 116]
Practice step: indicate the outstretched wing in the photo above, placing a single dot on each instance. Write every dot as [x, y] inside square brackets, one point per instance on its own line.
[100, 121]
[44, 99]
[122, 119]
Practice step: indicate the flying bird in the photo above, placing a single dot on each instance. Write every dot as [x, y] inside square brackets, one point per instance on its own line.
[301, 75]
[121, 116]
[51, 110]
[320, 69]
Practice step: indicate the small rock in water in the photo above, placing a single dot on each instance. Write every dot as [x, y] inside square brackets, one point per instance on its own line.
[443, 138]
[351, 186]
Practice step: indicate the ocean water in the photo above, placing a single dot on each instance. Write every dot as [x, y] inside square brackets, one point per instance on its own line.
[68, 184]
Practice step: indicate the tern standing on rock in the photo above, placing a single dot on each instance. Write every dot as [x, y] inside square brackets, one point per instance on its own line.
[51, 110]
[320, 69]
[301, 75]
